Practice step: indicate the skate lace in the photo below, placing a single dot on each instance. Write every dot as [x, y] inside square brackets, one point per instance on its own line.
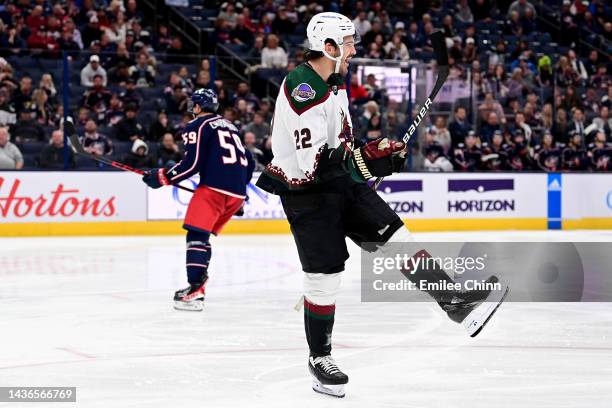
[328, 364]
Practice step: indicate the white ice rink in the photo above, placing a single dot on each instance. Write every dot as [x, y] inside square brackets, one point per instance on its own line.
[96, 313]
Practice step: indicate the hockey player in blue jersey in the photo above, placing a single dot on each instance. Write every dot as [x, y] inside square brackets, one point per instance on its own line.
[213, 150]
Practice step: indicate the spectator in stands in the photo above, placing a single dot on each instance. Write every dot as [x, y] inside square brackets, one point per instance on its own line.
[521, 6]
[520, 123]
[129, 128]
[467, 155]
[282, 24]
[273, 56]
[168, 153]
[374, 91]
[92, 69]
[177, 53]
[92, 31]
[119, 74]
[489, 127]
[243, 91]
[459, 127]
[42, 107]
[490, 104]
[514, 25]
[604, 121]
[160, 127]
[97, 99]
[601, 79]
[414, 39]
[27, 129]
[7, 111]
[229, 14]
[600, 153]
[122, 55]
[560, 126]
[359, 93]
[241, 34]
[373, 128]
[142, 73]
[577, 66]
[250, 143]
[592, 63]
[470, 51]
[162, 39]
[13, 42]
[94, 142]
[566, 76]
[441, 133]
[67, 44]
[130, 95]
[203, 81]
[36, 19]
[52, 155]
[22, 97]
[46, 84]
[463, 13]
[577, 124]
[547, 155]
[222, 33]
[396, 49]
[115, 112]
[517, 152]
[248, 23]
[435, 159]
[362, 24]
[139, 156]
[117, 30]
[10, 156]
[229, 114]
[529, 22]
[574, 155]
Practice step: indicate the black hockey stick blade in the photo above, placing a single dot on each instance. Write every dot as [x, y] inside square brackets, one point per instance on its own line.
[438, 43]
[70, 130]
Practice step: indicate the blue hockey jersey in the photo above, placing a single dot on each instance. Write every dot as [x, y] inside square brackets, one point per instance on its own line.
[214, 150]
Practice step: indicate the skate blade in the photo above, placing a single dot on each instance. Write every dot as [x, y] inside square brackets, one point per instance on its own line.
[335, 390]
[479, 317]
[195, 306]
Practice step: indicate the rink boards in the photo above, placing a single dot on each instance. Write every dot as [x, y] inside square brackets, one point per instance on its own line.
[111, 203]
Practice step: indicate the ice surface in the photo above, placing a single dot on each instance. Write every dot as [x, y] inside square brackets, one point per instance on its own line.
[96, 313]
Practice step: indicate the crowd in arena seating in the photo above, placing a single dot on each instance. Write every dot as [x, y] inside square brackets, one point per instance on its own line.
[537, 106]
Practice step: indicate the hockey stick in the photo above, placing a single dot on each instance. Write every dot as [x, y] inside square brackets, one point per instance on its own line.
[70, 130]
[439, 45]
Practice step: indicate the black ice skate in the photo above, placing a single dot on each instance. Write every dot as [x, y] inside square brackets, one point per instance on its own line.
[326, 376]
[190, 298]
[473, 309]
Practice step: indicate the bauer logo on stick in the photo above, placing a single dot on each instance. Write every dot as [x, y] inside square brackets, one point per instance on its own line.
[303, 92]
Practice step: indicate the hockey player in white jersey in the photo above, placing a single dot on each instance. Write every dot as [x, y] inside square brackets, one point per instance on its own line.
[320, 174]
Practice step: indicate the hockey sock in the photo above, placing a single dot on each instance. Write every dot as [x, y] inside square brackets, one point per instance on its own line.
[198, 256]
[318, 323]
[427, 271]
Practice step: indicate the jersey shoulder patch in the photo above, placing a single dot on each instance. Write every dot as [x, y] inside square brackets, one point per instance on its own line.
[304, 88]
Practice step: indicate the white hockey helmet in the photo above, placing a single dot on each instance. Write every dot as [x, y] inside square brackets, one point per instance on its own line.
[333, 26]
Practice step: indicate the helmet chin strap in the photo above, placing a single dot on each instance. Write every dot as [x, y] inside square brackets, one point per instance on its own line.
[337, 60]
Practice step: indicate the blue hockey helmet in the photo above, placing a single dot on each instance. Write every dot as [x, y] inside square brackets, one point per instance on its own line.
[206, 99]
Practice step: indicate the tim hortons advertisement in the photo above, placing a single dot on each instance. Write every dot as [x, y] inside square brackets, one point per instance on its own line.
[411, 195]
[70, 197]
